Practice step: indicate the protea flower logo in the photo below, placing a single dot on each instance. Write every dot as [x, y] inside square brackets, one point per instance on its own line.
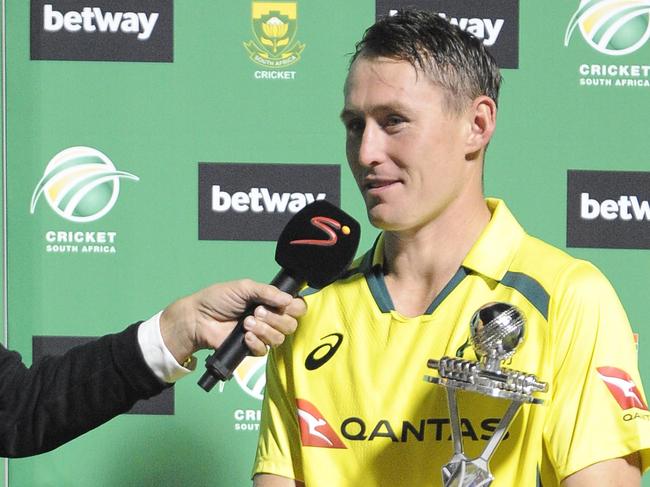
[81, 184]
[274, 26]
[276, 31]
[251, 376]
[613, 27]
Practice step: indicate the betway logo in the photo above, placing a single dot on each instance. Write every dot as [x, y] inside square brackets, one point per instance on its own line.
[95, 20]
[260, 200]
[486, 29]
[625, 208]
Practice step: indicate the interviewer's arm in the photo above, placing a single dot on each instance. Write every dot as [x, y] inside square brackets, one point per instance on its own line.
[60, 398]
[268, 480]
[618, 472]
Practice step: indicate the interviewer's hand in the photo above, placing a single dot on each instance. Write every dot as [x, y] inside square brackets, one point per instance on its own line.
[205, 318]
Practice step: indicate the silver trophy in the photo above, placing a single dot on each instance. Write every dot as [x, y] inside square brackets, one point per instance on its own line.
[496, 330]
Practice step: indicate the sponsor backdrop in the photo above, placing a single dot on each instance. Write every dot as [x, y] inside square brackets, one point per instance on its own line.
[154, 147]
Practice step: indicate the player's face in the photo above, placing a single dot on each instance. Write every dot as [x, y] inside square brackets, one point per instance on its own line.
[406, 149]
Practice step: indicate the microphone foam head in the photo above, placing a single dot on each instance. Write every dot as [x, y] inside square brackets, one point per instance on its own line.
[318, 244]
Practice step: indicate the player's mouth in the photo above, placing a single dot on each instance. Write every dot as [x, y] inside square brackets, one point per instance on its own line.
[378, 185]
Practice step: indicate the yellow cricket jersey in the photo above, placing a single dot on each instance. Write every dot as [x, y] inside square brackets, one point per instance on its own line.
[346, 403]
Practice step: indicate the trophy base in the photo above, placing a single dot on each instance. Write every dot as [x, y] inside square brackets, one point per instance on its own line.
[465, 474]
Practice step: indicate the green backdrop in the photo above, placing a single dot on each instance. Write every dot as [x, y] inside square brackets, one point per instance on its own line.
[159, 120]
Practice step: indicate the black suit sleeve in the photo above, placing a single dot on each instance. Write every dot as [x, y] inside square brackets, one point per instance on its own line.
[60, 398]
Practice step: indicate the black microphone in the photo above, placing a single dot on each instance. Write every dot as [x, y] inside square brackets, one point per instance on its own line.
[315, 248]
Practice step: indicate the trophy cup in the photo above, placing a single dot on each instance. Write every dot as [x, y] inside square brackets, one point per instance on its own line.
[496, 330]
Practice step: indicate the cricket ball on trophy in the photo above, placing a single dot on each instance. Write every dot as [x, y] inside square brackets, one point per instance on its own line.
[496, 329]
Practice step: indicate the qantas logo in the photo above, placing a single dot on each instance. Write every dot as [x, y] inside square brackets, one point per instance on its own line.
[622, 387]
[424, 429]
[314, 429]
[325, 224]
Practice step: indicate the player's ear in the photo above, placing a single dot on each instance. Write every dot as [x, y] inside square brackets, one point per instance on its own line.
[482, 116]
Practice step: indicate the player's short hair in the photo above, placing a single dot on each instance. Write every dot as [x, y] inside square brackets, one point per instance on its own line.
[450, 57]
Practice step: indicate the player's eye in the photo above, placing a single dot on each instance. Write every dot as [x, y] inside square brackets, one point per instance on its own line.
[354, 126]
[394, 120]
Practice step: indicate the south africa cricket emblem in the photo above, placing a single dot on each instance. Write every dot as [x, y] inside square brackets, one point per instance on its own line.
[274, 25]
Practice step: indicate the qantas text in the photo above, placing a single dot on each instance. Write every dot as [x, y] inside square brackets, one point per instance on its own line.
[437, 429]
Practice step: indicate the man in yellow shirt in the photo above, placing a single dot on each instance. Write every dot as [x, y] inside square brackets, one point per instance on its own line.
[345, 402]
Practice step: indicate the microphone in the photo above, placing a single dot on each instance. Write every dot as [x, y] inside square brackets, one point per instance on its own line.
[314, 248]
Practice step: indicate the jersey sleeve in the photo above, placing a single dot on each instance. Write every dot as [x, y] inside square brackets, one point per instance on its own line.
[278, 447]
[597, 406]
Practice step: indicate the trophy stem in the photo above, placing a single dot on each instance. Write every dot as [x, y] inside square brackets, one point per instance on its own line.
[454, 421]
[500, 431]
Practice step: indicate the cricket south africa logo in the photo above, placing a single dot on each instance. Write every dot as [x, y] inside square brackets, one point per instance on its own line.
[612, 27]
[251, 377]
[274, 25]
[81, 184]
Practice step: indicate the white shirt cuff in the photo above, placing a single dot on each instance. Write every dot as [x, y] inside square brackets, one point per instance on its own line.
[158, 357]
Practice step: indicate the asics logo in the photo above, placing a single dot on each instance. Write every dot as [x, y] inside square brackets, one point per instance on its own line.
[321, 354]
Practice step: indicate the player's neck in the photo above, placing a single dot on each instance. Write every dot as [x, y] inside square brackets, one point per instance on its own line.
[419, 264]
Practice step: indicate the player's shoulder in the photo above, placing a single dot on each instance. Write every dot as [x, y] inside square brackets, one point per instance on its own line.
[554, 268]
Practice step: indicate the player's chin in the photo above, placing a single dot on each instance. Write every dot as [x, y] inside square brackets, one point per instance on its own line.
[383, 217]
